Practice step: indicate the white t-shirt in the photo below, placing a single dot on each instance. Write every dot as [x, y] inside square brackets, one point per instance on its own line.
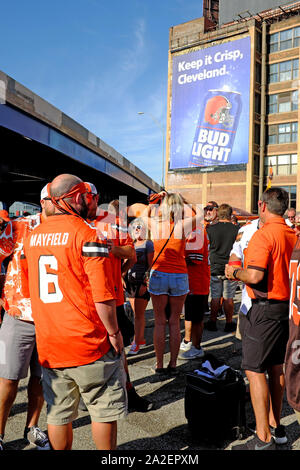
[243, 237]
[288, 222]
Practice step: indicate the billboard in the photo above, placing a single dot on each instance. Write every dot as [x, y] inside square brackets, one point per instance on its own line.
[210, 106]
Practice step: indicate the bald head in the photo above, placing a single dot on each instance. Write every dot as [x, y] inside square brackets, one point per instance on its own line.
[62, 184]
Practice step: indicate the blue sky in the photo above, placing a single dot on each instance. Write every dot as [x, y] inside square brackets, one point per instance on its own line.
[101, 62]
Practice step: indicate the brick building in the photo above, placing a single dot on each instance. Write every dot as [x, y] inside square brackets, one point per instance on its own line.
[270, 107]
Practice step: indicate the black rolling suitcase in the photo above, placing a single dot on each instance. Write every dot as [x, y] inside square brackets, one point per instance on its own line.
[215, 407]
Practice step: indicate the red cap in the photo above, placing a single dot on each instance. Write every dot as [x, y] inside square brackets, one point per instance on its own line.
[4, 215]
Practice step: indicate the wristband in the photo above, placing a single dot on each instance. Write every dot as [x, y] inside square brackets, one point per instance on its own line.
[235, 272]
[234, 263]
[114, 335]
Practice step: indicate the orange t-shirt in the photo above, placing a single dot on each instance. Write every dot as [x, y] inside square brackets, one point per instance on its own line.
[68, 271]
[172, 258]
[197, 261]
[270, 250]
[118, 232]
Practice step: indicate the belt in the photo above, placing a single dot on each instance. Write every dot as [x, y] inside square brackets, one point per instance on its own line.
[270, 301]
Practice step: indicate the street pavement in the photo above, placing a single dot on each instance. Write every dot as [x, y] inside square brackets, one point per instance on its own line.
[163, 429]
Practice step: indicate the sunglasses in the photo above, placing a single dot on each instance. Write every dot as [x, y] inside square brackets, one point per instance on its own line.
[137, 227]
[209, 208]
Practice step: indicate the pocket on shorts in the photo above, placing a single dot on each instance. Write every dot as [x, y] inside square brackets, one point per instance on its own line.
[157, 283]
[179, 284]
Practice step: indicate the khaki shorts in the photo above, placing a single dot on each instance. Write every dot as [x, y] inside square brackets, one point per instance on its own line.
[102, 385]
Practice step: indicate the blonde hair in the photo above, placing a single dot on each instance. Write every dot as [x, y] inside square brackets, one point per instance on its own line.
[142, 223]
[172, 207]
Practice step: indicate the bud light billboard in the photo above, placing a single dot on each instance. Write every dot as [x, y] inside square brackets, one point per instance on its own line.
[210, 106]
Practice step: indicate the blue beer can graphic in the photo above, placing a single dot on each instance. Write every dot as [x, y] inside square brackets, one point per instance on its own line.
[216, 128]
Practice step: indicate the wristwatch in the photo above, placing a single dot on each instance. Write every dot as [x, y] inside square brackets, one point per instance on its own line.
[235, 271]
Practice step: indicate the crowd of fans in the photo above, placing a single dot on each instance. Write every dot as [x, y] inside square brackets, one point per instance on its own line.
[67, 272]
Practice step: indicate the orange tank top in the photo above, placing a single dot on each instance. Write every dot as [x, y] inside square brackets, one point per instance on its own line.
[172, 258]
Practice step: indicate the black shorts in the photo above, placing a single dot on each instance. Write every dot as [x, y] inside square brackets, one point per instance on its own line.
[194, 307]
[133, 290]
[265, 336]
[126, 325]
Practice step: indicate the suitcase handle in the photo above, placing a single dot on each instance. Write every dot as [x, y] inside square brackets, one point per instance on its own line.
[201, 390]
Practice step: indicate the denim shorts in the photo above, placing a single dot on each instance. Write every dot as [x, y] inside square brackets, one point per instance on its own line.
[172, 284]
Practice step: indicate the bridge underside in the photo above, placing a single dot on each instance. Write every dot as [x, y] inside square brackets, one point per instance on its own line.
[26, 166]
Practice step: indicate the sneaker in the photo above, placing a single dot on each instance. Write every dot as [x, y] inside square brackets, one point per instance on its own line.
[35, 436]
[137, 403]
[230, 327]
[256, 444]
[1, 444]
[221, 314]
[211, 325]
[207, 313]
[278, 433]
[192, 353]
[185, 346]
[134, 347]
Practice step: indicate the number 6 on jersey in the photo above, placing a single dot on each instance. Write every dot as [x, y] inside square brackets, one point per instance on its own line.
[48, 280]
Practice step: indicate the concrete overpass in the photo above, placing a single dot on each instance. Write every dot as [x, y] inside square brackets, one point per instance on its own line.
[38, 141]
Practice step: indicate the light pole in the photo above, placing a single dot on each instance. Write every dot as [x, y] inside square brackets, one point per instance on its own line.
[163, 145]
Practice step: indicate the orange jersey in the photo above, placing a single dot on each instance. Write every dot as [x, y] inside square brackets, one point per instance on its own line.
[270, 250]
[68, 271]
[118, 232]
[6, 242]
[197, 261]
[172, 258]
[16, 301]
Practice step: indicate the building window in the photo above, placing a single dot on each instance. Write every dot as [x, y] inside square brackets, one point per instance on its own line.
[257, 103]
[257, 134]
[258, 42]
[282, 102]
[292, 192]
[257, 72]
[297, 36]
[283, 71]
[283, 40]
[273, 42]
[282, 133]
[256, 165]
[255, 199]
[282, 165]
[286, 39]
